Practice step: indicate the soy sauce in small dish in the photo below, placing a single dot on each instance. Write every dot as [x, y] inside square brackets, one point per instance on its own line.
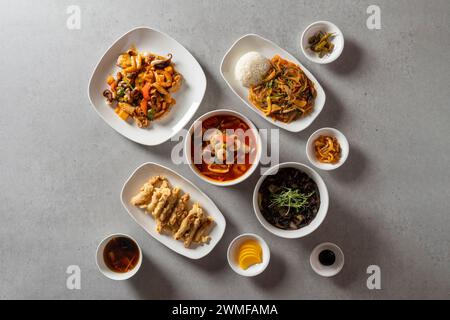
[121, 254]
[327, 257]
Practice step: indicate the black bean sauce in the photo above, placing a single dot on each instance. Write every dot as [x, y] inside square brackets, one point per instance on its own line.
[327, 257]
[285, 218]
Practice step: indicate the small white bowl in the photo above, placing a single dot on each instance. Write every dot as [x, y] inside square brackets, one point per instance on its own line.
[321, 214]
[337, 40]
[343, 142]
[255, 269]
[104, 268]
[327, 271]
[188, 143]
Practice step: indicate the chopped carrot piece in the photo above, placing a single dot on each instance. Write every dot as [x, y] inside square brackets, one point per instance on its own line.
[110, 80]
[122, 114]
[146, 90]
[143, 105]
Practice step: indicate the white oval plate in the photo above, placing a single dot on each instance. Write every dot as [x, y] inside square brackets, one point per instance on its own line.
[135, 182]
[188, 97]
[254, 42]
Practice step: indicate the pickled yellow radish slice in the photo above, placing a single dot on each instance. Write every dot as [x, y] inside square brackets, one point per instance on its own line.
[251, 247]
[249, 261]
[249, 253]
[245, 255]
[249, 250]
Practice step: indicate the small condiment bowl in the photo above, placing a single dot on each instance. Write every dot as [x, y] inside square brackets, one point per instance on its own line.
[107, 272]
[232, 254]
[337, 40]
[222, 112]
[343, 142]
[320, 216]
[327, 271]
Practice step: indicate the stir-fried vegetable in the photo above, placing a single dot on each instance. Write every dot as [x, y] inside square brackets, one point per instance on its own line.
[321, 43]
[143, 87]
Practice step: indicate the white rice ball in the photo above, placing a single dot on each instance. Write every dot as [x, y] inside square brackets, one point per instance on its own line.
[251, 68]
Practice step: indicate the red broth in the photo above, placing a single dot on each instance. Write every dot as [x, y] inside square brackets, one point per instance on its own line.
[223, 170]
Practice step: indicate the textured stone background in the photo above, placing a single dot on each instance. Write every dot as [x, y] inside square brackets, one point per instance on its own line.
[62, 167]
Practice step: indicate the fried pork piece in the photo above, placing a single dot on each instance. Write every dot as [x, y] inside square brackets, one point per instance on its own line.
[165, 195]
[197, 223]
[170, 209]
[167, 211]
[146, 191]
[164, 184]
[159, 226]
[157, 194]
[162, 221]
[180, 212]
[187, 222]
[201, 235]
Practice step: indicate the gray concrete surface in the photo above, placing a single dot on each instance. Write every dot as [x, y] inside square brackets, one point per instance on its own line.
[62, 167]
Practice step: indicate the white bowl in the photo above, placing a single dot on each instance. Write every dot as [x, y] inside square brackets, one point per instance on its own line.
[337, 40]
[104, 268]
[327, 271]
[188, 97]
[255, 269]
[254, 42]
[148, 223]
[321, 214]
[188, 143]
[345, 148]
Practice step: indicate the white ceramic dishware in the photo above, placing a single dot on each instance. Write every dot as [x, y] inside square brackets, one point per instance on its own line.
[232, 254]
[141, 176]
[337, 40]
[253, 42]
[188, 97]
[107, 272]
[342, 140]
[327, 271]
[320, 216]
[188, 144]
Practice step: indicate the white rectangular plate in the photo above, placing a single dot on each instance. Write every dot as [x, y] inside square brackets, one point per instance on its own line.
[267, 48]
[141, 176]
[188, 97]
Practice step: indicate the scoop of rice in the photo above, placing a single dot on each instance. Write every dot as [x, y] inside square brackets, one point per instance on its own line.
[251, 68]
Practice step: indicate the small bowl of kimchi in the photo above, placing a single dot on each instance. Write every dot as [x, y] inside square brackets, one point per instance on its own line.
[223, 147]
[327, 149]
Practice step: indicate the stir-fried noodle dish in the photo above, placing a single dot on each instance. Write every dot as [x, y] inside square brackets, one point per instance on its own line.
[285, 94]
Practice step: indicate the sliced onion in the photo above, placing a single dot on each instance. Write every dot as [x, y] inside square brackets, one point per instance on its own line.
[218, 168]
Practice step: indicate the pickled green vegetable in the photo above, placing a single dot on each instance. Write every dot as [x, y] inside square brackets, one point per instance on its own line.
[321, 43]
